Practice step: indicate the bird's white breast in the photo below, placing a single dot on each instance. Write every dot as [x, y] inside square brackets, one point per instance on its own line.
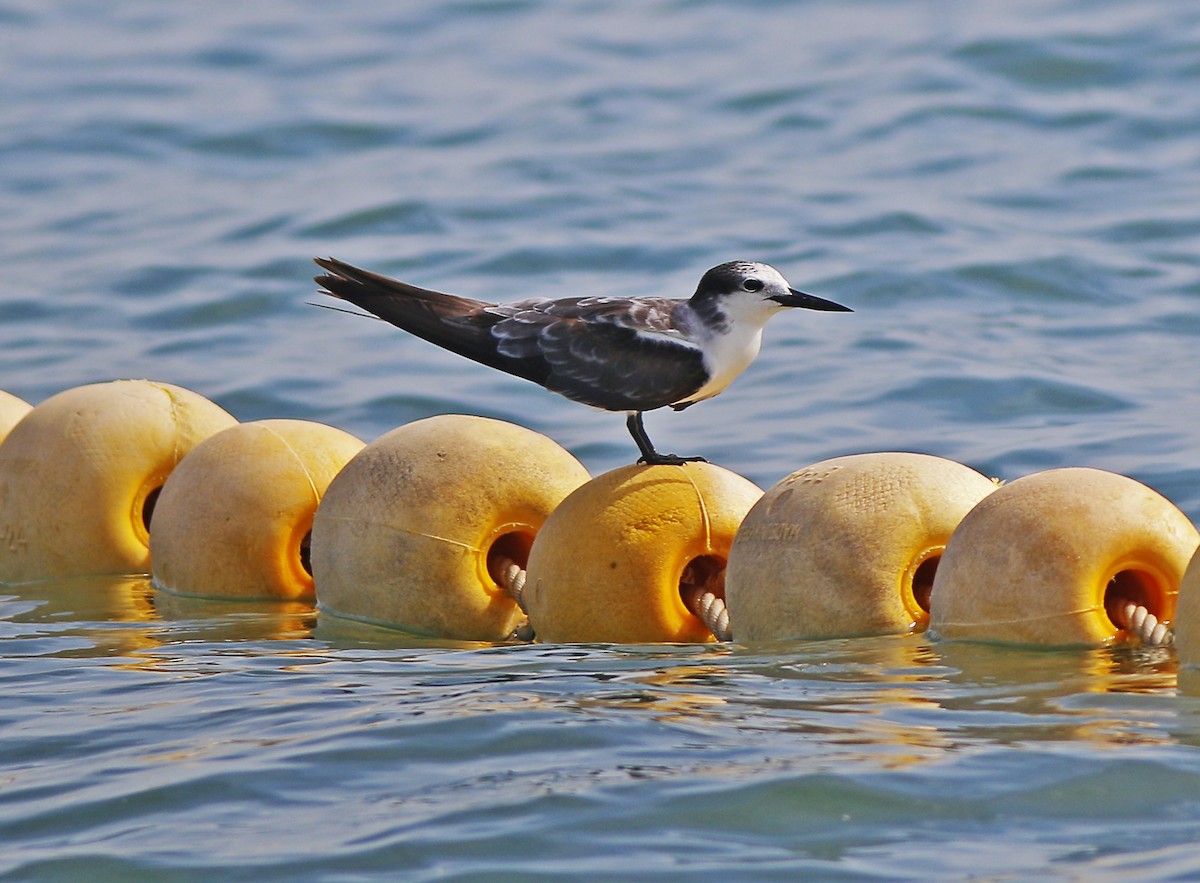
[730, 350]
[726, 356]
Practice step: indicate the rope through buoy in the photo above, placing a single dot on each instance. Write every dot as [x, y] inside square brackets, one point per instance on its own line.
[1144, 625]
[704, 604]
[513, 582]
[702, 589]
[710, 609]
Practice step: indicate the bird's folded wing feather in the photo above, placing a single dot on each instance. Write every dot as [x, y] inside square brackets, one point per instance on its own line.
[614, 353]
[602, 353]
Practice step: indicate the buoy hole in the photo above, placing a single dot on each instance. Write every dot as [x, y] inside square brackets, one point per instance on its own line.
[703, 574]
[512, 546]
[148, 507]
[1132, 586]
[306, 553]
[922, 583]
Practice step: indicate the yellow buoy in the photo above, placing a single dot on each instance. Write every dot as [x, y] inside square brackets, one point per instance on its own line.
[610, 563]
[412, 532]
[1186, 624]
[847, 546]
[234, 518]
[12, 410]
[1055, 557]
[80, 474]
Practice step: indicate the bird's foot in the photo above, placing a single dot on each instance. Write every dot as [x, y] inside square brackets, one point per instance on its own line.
[656, 459]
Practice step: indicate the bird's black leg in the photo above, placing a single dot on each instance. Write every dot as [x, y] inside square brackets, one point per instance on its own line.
[650, 456]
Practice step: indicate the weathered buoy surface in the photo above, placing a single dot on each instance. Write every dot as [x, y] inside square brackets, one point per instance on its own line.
[1186, 624]
[12, 410]
[235, 518]
[1054, 557]
[412, 533]
[80, 474]
[847, 546]
[610, 562]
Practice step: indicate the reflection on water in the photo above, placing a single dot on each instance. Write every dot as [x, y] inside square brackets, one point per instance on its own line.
[857, 696]
[407, 734]
[114, 616]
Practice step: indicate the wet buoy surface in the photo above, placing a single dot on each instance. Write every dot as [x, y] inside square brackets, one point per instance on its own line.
[412, 532]
[234, 520]
[1054, 557]
[610, 562]
[847, 546]
[80, 474]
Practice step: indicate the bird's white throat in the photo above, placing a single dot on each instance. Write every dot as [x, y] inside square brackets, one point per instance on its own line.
[729, 352]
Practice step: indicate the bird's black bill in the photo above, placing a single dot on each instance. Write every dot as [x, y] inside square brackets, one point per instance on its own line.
[804, 301]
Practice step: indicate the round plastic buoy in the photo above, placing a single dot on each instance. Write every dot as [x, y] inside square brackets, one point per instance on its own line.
[847, 546]
[235, 517]
[1055, 558]
[611, 562]
[1186, 624]
[12, 410]
[80, 474]
[413, 532]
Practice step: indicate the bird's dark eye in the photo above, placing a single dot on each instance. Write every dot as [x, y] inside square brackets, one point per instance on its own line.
[753, 285]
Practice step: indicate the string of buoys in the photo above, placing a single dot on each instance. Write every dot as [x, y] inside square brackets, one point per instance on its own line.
[469, 528]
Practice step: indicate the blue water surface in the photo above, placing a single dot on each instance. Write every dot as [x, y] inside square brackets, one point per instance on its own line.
[1007, 194]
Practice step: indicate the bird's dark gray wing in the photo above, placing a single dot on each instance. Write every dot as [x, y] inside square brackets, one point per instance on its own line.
[620, 354]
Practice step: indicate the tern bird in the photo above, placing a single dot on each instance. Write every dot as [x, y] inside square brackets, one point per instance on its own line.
[629, 354]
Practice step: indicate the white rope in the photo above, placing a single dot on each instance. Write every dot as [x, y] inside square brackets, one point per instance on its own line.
[513, 582]
[1144, 625]
[709, 608]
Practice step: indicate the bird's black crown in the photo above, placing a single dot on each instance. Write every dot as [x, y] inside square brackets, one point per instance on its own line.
[725, 277]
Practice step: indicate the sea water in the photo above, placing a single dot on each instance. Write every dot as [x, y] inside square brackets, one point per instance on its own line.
[1008, 196]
